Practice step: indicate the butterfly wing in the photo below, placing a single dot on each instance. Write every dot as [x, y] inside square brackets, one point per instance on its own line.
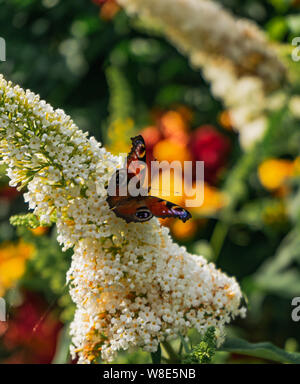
[141, 209]
[132, 209]
[138, 150]
[163, 209]
[122, 177]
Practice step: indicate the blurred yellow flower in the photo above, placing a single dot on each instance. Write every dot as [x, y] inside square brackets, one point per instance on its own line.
[273, 173]
[118, 133]
[13, 259]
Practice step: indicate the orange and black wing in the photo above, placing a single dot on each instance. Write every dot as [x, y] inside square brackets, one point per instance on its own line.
[138, 150]
[163, 209]
[141, 209]
[136, 162]
[135, 167]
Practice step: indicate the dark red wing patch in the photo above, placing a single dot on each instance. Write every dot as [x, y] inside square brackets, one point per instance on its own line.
[113, 201]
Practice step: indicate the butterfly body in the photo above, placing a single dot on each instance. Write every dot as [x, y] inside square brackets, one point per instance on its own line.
[143, 207]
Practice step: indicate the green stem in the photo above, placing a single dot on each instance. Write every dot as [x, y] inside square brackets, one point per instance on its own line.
[218, 237]
[170, 351]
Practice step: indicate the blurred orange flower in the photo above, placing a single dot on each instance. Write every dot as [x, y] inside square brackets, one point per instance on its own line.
[39, 231]
[109, 10]
[13, 259]
[174, 127]
[213, 201]
[225, 120]
[170, 151]
[185, 112]
[184, 231]
[273, 173]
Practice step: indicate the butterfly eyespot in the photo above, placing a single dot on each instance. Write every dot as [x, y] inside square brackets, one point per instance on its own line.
[143, 214]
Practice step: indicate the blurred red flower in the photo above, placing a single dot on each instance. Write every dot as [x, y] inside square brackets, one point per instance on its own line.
[109, 8]
[9, 193]
[99, 2]
[209, 145]
[152, 135]
[32, 333]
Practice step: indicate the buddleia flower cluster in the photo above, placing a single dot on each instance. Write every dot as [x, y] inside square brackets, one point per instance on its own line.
[132, 285]
[235, 57]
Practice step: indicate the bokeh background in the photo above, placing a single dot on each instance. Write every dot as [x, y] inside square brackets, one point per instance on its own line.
[117, 78]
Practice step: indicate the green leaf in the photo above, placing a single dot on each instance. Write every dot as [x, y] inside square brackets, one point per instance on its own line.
[62, 354]
[281, 6]
[264, 350]
[293, 22]
[121, 105]
[185, 344]
[277, 28]
[156, 356]
[277, 274]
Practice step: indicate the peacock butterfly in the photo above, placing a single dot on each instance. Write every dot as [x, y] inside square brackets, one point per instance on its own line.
[143, 207]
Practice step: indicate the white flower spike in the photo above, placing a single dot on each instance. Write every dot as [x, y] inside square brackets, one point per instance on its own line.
[132, 285]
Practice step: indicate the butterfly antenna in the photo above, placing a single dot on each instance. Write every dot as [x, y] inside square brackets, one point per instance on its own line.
[47, 312]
